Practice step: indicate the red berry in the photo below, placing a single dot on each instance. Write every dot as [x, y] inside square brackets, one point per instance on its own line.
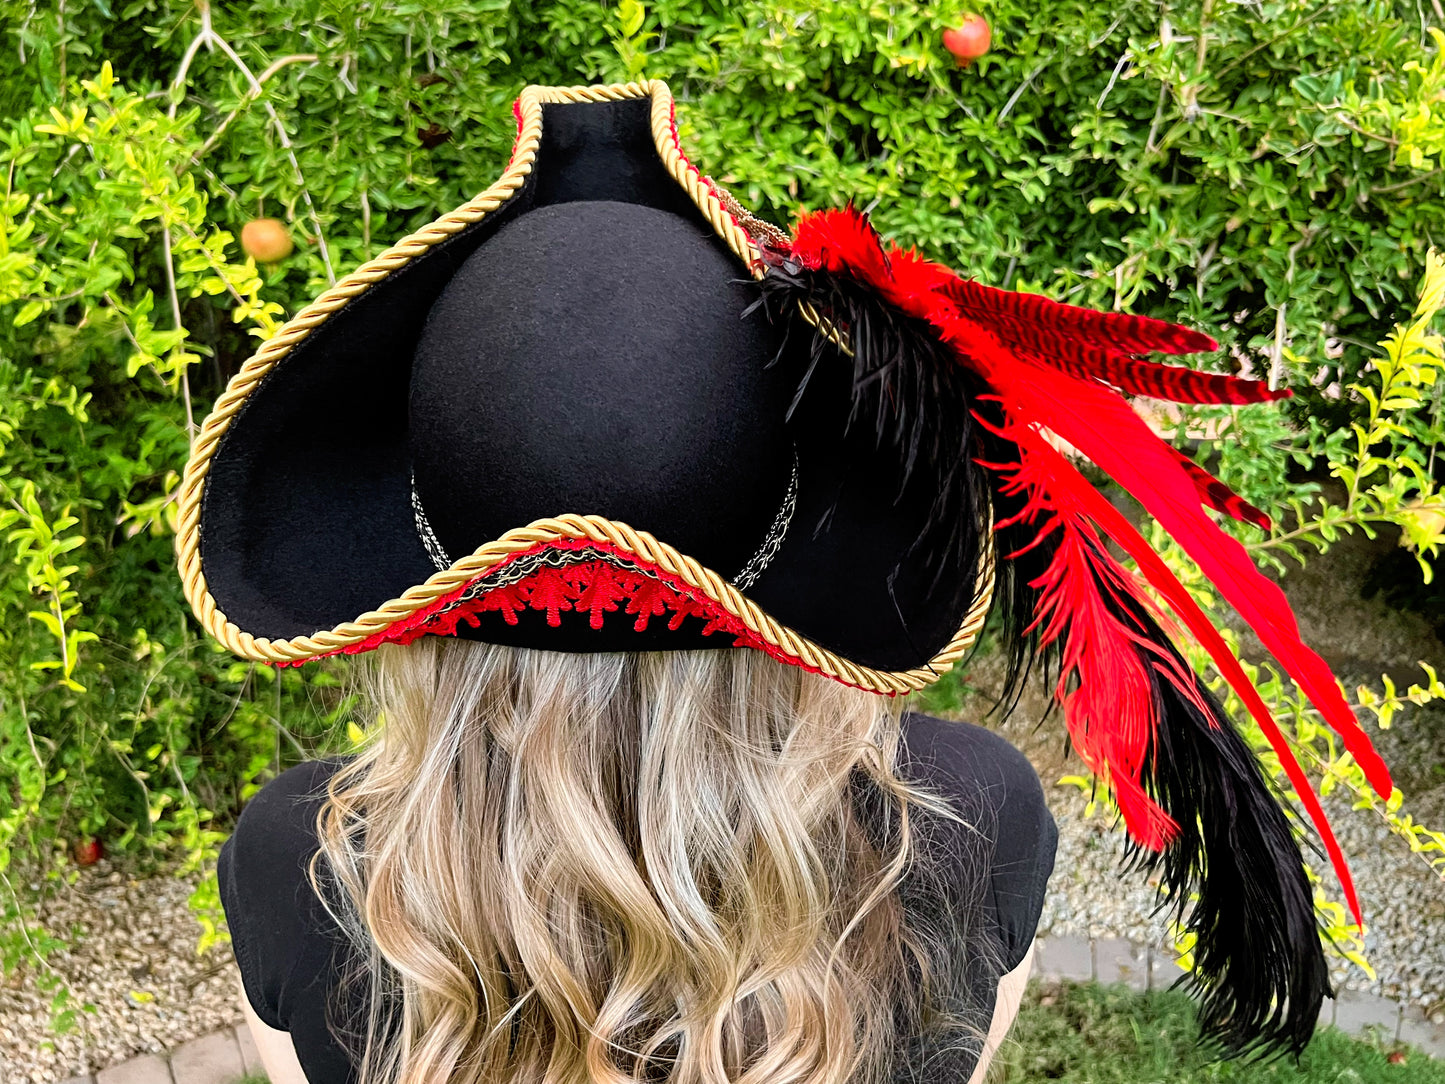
[969, 41]
[266, 240]
[87, 852]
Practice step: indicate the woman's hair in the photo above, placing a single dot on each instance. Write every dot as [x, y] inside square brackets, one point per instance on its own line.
[597, 868]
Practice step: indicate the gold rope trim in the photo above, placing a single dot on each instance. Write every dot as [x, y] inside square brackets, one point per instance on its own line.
[641, 544]
[699, 579]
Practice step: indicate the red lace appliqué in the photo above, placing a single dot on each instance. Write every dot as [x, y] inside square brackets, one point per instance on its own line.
[596, 587]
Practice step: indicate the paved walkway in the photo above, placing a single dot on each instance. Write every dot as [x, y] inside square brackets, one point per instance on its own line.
[223, 1057]
[1139, 967]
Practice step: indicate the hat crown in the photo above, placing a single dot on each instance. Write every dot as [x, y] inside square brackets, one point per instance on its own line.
[593, 358]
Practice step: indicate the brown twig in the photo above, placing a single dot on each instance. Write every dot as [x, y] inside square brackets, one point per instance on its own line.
[1113, 78]
[285, 141]
[250, 96]
[207, 36]
[1149, 147]
[1276, 365]
[1017, 94]
[1311, 17]
[1406, 184]
[1201, 268]
[166, 244]
[175, 298]
[1339, 118]
[1203, 38]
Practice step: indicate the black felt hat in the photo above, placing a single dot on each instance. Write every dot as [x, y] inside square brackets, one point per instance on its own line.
[601, 407]
[560, 417]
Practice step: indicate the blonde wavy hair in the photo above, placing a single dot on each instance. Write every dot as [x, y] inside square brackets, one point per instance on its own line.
[607, 868]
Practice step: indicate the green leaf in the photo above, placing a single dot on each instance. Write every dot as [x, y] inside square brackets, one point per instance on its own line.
[630, 15]
[28, 312]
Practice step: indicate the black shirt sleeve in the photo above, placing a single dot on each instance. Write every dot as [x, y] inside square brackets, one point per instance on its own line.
[980, 772]
[272, 913]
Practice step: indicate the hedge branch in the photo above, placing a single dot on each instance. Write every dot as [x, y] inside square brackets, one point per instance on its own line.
[207, 36]
[214, 137]
[285, 141]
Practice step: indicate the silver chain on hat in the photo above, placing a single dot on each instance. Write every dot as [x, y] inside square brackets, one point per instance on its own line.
[773, 541]
[759, 561]
[433, 546]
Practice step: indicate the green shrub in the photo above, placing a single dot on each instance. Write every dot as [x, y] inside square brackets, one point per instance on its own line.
[1267, 171]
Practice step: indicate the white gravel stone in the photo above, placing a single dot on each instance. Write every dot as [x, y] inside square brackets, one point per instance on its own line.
[1404, 901]
[132, 957]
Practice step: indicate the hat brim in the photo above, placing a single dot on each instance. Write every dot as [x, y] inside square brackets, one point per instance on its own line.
[355, 543]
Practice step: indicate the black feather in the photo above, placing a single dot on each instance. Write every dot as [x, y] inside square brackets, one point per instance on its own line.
[1259, 965]
[919, 404]
[1233, 875]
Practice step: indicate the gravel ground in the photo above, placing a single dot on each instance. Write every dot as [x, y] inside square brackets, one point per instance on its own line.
[134, 960]
[1403, 899]
[1404, 902]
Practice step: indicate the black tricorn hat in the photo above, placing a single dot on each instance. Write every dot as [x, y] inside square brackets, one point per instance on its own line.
[560, 417]
[601, 407]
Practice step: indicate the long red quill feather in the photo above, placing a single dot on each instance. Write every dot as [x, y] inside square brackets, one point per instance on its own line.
[1092, 345]
[1044, 470]
[1102, 684]
[1061, 369]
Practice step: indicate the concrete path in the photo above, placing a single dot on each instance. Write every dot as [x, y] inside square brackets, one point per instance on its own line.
[223, 1057]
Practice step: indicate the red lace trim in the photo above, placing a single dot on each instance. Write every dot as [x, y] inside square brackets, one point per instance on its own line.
[596, 588]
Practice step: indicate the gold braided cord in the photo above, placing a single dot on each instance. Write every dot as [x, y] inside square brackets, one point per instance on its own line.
[698, 188]
[188, 535]
[702, 581]
[826, 327]
[699, 580]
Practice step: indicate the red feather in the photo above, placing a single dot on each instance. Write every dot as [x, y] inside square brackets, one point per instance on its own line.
[1103, 685]
[1056, 367]
[1178, 384]
[1219, 496]
[1082, 342]
[1060, 325]
[1103, 427]
[1044, 470]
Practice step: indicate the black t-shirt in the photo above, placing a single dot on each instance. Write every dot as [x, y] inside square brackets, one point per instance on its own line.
[290, 952]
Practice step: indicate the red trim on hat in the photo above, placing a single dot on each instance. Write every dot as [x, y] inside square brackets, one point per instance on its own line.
[517, 138]
[706, 180]
[596, 587]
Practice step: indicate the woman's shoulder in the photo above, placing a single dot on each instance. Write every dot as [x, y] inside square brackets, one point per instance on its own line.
[997, 794]
[264, 876]
[295, 791]
[270, 849]
[965, 761]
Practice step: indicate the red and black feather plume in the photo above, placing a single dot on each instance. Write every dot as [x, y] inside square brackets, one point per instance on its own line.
[954, 376]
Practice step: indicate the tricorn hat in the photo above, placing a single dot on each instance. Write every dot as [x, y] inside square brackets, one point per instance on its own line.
[602, 407]
[550, 419]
